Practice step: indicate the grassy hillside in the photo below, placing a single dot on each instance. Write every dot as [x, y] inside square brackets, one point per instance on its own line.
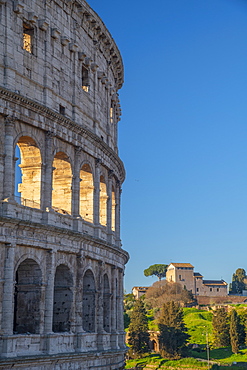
[199, 323]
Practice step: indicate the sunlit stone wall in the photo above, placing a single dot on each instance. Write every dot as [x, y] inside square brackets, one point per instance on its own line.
[61, 281]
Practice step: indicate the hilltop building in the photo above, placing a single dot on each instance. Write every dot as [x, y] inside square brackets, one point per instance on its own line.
[184, 274]
[61, 279]
[138, 291]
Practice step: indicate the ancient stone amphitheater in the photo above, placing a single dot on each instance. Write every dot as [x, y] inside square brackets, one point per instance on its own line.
[61, 276]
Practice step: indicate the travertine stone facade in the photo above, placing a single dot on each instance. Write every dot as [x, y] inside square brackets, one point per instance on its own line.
[61, 281]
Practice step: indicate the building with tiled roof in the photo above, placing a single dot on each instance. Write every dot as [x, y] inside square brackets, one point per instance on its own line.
[184, 274]
[138, 291]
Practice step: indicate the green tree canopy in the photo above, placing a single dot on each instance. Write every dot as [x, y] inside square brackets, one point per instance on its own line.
[221, 328]
[239, 281]
[235, 330]
[172, 329]
[158, 270]
[138, 336]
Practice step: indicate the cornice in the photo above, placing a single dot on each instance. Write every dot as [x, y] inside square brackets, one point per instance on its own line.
[66, 233]
[64, 122]
[102, 36]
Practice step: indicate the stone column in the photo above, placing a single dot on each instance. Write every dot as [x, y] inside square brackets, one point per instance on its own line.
[46, 184]
[120, 311]
[99, 309]
[76, 183]
[2, 151]
[109, 207]
[8, 187]
[114, 308]
[117, 214]
[49, 292]
[96, 197]
[8, 290]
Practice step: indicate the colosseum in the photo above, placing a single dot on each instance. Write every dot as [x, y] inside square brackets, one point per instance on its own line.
[61, 281]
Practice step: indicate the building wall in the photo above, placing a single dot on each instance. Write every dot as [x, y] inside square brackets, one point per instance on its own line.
[61, 283]
[181, 275]
[211, 290]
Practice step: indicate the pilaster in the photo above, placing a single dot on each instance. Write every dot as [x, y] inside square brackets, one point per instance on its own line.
[46, 184]
[109, 207]
[76, 183]
[2, 155]
[96, 196]
[8, 290]
[49, 293]
[8, 187]
[117, 215]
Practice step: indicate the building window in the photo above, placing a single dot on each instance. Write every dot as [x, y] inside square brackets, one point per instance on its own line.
[28, 34]
[84, 79]
[217, 289]
[211, 289]
[197, 289]
[62, 109]
[180, 277]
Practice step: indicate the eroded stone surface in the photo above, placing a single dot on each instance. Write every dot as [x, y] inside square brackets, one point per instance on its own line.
[61, 281]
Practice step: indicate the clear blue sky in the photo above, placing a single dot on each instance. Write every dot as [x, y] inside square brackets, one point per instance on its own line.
[183, 133]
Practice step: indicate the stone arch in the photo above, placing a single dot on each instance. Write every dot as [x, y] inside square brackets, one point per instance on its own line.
[86, 193]
[29, 186]
[103, 201]
[63, 297]
[154, 345]
[61, 183]
[88, 302]
[113, 209]
[106, 304]
[27, 297]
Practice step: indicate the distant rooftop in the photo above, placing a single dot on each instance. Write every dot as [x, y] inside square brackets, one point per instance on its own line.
[214, 282]
[181, 264]
[197, 274]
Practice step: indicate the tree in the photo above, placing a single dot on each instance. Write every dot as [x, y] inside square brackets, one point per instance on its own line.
[138, 336]
[129, 302]
[239, 280]
[163, 291]
[158, 270]
[235, 331]
[221, 328]
[172, 329]
[242, 314]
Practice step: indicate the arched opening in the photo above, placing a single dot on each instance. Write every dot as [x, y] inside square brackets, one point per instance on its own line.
[106, 304]
[63, 297]
[61, 183]
[113, 209]
[29, 180]
[88, 302]
[27, 298]
[86, 193]
[103, 202]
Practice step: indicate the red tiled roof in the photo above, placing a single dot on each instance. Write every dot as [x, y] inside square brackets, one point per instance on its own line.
[181, 264]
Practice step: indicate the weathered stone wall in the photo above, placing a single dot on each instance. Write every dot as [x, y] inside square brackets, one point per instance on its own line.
[61, 281]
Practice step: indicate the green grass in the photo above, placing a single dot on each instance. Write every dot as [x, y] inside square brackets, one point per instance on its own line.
[222, 355]
[198, 322]
[149, 359]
